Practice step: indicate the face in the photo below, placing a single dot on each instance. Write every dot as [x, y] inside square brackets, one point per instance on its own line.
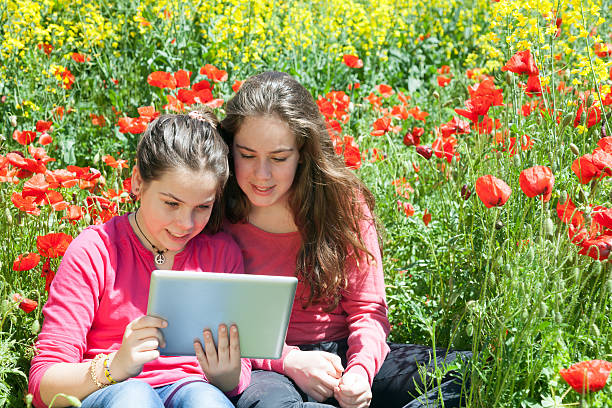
[265, 160]
[176, 207]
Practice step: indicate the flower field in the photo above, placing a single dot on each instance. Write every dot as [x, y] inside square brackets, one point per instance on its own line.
[484, 129]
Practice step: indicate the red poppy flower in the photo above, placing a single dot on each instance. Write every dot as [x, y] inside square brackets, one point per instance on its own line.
[77, 57]
[45, 139]
[48, 274]
[53, 245]
[602, 216]
[381, 126]
[567, 212]
[147, 113]
[454, 127]
[605, 143]
[25, 304]
[46, 48]
[132, 125]
[65, 76]
[213, 73]
[587, 376]
[426, 218]
[30, 166]
[444, 69]
[352, 61]
[25, 262]
[173, 104]
[203, 84]
[585, 169]
[375, 101]
[385, 90]
[533, 86]
[36, 186]
[97, 120]
[418, 114]
[424, 151]
[24, 137]
[162, 79]
[603, 50]
[55, 200]
[537, 180]
[407, 208]
[597, 248]
[182, 78]
[603, 161]
[414, 138]
[61, 177]
[42, 126]
[522, 63]
[402, 187]
[73, 213]
[25, 203]
[443, 80]
[352, 155]
[492, 191]
[445, 148]
[111, 161]
[237, 85]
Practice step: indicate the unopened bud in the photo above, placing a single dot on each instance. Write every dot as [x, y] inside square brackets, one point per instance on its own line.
[35, 327]
[583, 117]
[568, 119]
[595, 329]
[8, 216]
[13, 120]
[508, 78]
[543, 310]
[549, 227]
[603, 130]
[590, 100]
[466, 192]
[574, 149]
[436, 94]
[596, 267]
[96, 159]
[558, 317]
[499, 225]
[448, 103]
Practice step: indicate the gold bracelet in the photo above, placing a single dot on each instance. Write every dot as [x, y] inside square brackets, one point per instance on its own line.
[107, 372]
[92, 370]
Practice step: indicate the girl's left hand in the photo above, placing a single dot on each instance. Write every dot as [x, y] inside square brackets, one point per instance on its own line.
[353, 391]
[222, 364]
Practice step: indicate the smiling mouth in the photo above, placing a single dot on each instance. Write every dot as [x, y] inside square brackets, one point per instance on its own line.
[262, 189]
[178, 236]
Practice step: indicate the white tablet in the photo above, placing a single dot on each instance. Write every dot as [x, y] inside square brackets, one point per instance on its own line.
[190, 301]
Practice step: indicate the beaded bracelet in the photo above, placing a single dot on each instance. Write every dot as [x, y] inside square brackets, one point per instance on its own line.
[92, 370]
[107, 372]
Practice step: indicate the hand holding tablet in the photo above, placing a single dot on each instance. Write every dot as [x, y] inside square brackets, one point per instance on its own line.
[191, 302]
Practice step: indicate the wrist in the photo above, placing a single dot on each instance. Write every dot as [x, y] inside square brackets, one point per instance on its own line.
[114, 368]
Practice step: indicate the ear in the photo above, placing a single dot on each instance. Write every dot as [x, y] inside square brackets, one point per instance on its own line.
[137, 182]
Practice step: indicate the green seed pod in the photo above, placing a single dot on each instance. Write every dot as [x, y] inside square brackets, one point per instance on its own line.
[609, 285]
[574, 149]
[448, 103]
[590, 100]
[436, 94]
[469, 329]
[576, 273]
[508, 78]
[507, 269]
[492, 278]
[35, 327]
[596, 268]
[583, 118]
[549, 227]
[516, 160]
[595, 329]
[8, 216]
[499, 225]
[543, 310]
[13, 120]
[87, 218]
[498, 155]
[568, 119]
[582, 195]
[96, 159]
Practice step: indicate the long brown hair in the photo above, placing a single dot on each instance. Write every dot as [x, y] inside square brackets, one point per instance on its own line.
[326, 199]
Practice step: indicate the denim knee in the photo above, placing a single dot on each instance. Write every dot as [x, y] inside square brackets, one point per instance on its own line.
[128, 393]
[189, 393]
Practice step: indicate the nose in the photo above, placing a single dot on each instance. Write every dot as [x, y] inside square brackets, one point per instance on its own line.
[262, 170]
[185, 219]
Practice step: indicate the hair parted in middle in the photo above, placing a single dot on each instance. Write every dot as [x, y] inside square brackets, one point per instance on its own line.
[186, 141]
[327, 199]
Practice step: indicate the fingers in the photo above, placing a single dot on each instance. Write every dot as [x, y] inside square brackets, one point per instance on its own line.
[336, 363]
[234, 344]
[200, 354]
[147, 321]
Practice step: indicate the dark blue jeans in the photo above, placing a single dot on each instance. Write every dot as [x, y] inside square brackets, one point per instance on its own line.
[402, 381]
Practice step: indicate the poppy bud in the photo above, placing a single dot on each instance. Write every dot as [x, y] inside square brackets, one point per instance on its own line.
[448, 103]
[96, 159]
[582, 195]
[2, 138]
[508, 78]
[87, 218]
[603, 130]
[469, 329]
[576, 272]
[549, 227]
[574, 149]
[530, 255]
[492, 278]
[424, 151]
[583, 117]
[596, 268]
[436, 94]
[35, 327]
[567, 119]
[590, 100]
[465, 192]
[499, 225]
[609, 285]
[516, 160]
[8, 216]
[595, 330]
[13, 120]
[543, 310]
[558, 318]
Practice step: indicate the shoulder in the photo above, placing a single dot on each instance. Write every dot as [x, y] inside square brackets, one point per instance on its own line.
[221, 241]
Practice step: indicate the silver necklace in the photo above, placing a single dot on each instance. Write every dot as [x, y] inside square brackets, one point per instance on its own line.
[160, 258]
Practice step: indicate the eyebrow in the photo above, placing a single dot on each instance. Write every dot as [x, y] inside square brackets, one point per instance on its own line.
[172, 196]
[282, 150]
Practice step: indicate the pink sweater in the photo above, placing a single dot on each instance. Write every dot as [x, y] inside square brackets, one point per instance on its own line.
[102, 284]
[361, 315]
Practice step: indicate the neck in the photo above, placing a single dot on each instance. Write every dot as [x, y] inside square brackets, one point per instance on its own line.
[274, 219]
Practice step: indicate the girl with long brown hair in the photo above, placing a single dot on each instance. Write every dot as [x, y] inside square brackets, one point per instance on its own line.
[296, 210]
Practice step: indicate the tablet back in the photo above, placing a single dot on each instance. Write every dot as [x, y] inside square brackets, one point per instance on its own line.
[190, 301]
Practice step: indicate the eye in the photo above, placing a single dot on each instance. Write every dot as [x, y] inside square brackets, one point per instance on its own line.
[246, 156]
[205, 206]
[171, 203]
[279, 159]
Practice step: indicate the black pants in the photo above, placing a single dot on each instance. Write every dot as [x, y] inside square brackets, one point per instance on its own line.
[399, 382]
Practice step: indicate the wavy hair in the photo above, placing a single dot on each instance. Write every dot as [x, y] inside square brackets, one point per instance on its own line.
[191, 141]
[327, 199]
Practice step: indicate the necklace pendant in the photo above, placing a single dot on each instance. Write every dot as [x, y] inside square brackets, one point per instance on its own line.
[160, 259]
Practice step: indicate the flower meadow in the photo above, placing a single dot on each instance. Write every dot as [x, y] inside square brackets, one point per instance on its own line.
[484, 129]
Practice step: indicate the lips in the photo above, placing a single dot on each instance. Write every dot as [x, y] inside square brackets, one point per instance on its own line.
[262, 189]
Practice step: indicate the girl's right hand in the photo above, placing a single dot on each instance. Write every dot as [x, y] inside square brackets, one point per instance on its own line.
[317, 373]
[141, 339]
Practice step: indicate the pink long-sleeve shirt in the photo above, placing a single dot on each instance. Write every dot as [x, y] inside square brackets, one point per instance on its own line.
[102, 284]
[361, 315]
